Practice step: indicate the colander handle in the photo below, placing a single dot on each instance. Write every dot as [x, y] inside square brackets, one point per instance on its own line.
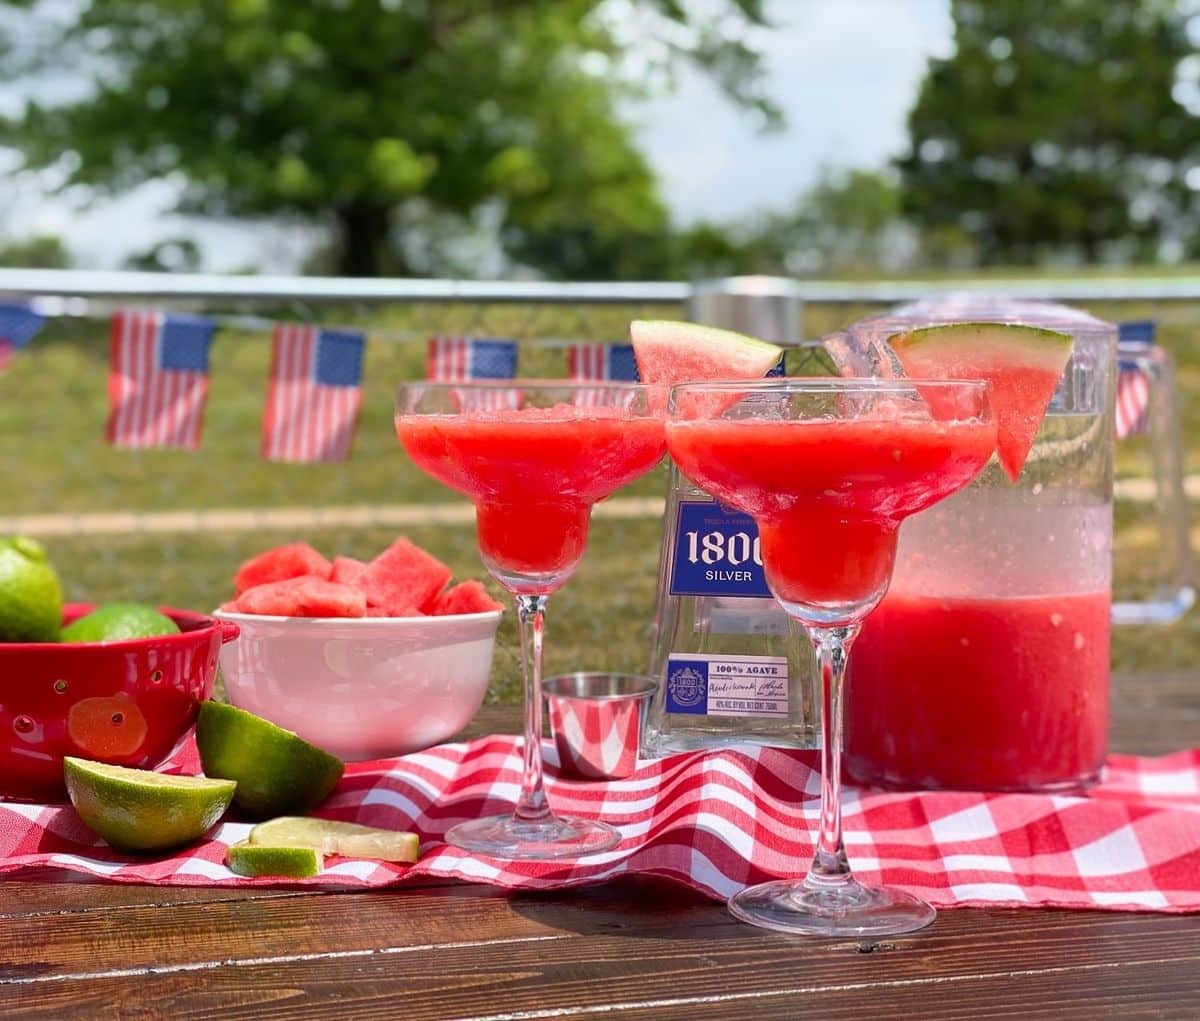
[229, 631]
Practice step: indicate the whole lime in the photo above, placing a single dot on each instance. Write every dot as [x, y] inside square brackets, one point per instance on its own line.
[114, 622]
[31, 600]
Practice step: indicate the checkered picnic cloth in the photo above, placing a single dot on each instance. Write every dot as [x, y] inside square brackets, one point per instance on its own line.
[717, 821]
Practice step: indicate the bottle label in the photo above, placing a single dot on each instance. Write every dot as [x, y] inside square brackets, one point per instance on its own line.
[714, 685]
[716, 553]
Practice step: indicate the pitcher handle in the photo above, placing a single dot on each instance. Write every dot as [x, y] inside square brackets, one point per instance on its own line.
[1147, 406]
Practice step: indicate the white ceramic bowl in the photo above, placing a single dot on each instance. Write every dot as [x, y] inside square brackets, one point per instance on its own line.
[367, 688]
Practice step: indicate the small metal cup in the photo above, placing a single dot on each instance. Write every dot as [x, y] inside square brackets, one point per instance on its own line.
[596, 720]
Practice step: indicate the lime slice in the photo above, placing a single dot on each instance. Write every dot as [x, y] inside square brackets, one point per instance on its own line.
[1023, 365]
[114, 622]
[345, 838]
[276, 772]
[290, 862]
[140, 810]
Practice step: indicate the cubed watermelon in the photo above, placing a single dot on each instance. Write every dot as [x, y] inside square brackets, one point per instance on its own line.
[403, 579]
[307, 595]
[346, 569]
[280, 563]
[465, 597]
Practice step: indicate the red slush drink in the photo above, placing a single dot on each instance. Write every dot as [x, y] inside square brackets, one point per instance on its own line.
[534, 473]
[1000, 693]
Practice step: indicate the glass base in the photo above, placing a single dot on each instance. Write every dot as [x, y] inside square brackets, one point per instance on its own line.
[505, 836]
[848, 909]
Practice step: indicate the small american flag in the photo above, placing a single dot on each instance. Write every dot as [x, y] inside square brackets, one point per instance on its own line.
[158, 379]
[19, 324]
[460, 359]
[1136, 342]
[314, 396]
[602, 361]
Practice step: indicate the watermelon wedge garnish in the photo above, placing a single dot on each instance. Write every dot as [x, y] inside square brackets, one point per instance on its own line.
[673, 352]
[1022, 364]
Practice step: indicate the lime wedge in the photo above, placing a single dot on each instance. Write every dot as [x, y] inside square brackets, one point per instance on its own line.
[345, 838]
[140, 810]
[276, 771]
[290, 862]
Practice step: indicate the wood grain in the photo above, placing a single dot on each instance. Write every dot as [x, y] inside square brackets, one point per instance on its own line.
[651, 961]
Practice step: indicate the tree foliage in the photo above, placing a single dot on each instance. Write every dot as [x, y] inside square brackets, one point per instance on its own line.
[400, 124]
[1069, 131]
[847, 222]
[42, 252]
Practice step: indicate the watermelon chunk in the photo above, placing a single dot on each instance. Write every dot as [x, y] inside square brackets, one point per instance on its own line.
[288, 561]
[674, 352]
[403, 579]
[465, 597]
[1022, 365]
[346, 569]
[307, 595]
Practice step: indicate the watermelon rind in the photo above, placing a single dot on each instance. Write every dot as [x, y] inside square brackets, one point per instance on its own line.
[1032, 346]
[1022, 363]
[670, 351]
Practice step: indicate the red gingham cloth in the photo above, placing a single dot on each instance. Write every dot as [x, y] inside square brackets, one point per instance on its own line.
[717, 821]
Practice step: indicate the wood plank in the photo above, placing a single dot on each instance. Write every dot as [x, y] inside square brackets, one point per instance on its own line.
[133, 938]
[1130, 992]
[599, 953]
[57, 891]
[1155, 713]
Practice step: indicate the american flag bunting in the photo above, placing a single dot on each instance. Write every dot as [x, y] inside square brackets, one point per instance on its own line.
[1136, 340]
[314, 395]
[463, 359]
[19, 324]
[158, 379]
[602, 361]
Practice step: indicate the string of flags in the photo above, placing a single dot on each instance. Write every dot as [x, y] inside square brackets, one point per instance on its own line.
[159, 373]
[19, 324]
[1133, 382]
[158, 381]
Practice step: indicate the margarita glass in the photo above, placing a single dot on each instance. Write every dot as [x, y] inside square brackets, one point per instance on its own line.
[829, 468]
[533, 457]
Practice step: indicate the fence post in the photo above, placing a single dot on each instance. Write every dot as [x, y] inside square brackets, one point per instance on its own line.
[766, 307]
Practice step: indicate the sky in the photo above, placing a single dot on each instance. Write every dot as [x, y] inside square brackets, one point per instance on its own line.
[845, 73]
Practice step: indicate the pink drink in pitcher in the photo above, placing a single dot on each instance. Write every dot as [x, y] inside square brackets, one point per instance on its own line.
[986, 666]
[978, 679]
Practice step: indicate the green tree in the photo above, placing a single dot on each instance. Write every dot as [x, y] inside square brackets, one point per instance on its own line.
[42, 252]
[849, 221]
[1062, 128]
[398, 124]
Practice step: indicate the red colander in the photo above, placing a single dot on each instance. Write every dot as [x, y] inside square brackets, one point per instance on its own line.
[126, 702]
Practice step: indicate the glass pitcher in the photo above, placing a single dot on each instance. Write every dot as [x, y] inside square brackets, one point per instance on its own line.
[986, 667]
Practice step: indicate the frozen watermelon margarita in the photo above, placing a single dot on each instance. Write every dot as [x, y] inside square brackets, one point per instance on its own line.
[533, 457]
[829, 468]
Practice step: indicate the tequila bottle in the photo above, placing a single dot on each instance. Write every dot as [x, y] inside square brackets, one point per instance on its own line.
[724, 654]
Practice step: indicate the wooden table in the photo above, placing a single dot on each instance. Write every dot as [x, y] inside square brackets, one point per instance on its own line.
[633, 950]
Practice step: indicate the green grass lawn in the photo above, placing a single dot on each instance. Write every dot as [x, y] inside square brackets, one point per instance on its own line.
[53, 459]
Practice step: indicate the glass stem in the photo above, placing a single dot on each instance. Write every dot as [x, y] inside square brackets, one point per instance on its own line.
[532, 805]
[830, 866]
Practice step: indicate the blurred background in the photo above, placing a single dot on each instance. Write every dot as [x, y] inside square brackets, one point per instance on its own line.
[599, 139]
[942, 141]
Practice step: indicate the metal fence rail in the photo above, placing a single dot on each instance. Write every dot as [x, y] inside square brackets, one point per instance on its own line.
[319, 290]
